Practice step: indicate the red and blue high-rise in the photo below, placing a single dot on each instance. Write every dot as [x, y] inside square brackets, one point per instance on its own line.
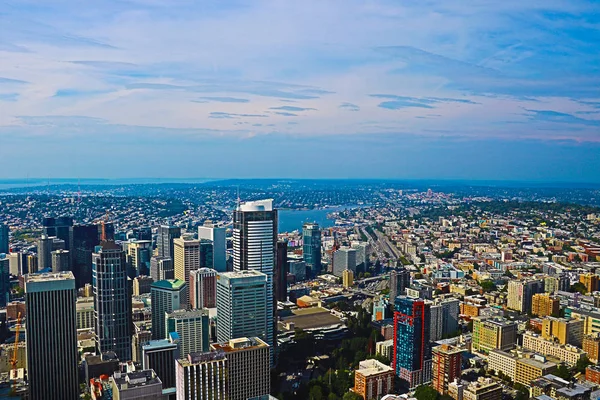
[412, 351]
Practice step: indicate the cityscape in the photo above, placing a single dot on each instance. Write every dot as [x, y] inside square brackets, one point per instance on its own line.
[299, 200]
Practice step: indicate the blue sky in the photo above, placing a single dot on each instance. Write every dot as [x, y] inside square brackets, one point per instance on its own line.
[340, 88]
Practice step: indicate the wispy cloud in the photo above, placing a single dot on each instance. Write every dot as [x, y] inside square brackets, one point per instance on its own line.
[293, 108]
[398, 102]
[225, 99]
[349, 106]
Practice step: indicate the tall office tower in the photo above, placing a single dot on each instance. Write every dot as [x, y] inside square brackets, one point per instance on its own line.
[141, 233]
[347, 278]
[52, 357]
[447, 361]
[107, 230]
[281, 272]
[60, 260]
[412, 352]
[399, 281]
[520, 294]
[311, 248]
[138, 257]
[219, 245]
[206, 253]
[161, 268]
[202, 376]
[164, 242]
[203, 288]
[112, 300]
[85, 239]
[241, 305]
[166, 296]
[450, 313]
[298, 269]
[59, 227]
[15, 261]
[44, 251]
[493, 333]
[362, 255]
[344, 259]
[4, 233]
[254, 246]
[4, 280]
[248, 367]
[32, 264]
[160, 355]
[192, 328]
[187, 258]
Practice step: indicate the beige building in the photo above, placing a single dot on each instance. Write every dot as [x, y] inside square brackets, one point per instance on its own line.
[186, 258]
[501, 361]
[528, 369]
[493, 333]
[483, 389]
[591, 345]
[542, 305]
[373, 379]
[347, 278]
[565, 331]
[567, 353]
[141, 285]
[84, 309]
[385, 348]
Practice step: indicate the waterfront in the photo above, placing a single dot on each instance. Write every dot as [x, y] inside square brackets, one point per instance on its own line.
[290, 220]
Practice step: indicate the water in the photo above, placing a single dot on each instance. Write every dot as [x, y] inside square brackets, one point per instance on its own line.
[291, 220]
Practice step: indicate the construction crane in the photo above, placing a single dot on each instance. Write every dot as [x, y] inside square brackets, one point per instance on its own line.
[14, 360]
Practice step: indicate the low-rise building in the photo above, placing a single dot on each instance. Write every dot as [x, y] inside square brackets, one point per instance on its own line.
[136, 385]
[483, 389]
[567, 353]
[373, 379]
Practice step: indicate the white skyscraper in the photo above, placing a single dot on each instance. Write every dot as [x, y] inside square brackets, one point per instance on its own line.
[217, 236]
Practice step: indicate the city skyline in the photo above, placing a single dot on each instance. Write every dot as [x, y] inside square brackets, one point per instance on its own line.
[337, 89]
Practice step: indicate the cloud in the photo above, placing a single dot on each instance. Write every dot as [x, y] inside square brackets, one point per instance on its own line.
[398, 102]
[292, 108]
[224, 99]
[349, 107]
[555, 116]
[218, 114]
[286, 114]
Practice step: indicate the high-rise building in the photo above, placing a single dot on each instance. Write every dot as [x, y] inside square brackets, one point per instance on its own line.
[447, 361]
[298, 269]
[60, 227]
[543, 305]
[362, 256]
[141, 285]
[4, 233]
[347, 278]
[32, 264]
[281, 272]
[4, 280]
[399, 281]
[112, 300]
[591, 345]
[60, 260]
[187, 258]
[138, 257]
[344, 259]
[202, 376]
[493, 333]
[553, 284]
[160, 355]
[203, 288]
[217, 237]
[192, 329]
[241, 307]
[44, 251]
[564, 331]
[590, 281]
[161, 268]
[311, 248]
[254, 246]
[85, 239]
[52, 357]
[248, 367]
[373, 379]
[166, 296]
[206, 253]
[520, 294]
[166, 234]
[412, 352]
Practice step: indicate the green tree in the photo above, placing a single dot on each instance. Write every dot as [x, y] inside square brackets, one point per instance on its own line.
[352, 396]
[563, 372]
[582, 364]
[487, 286]
[316, 393]
[426, 393]
[578, 287]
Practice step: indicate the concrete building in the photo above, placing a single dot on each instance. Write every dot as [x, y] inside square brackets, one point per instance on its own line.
[192, 327]
[373, 379]
[590, 281]
[160, 356]
[161, 268]
[60, 261]
[493, 333]
[553, 284]
[241, 305]
[217, 237]
[483, 389]
[280, 275]
[202, 376]
[520, 294]
[565, 331]
[187, 258]
[538, 344]
[51, 336]
[298, 269]
[4, 234]
[591, 345]
[166, 296]
[399, 281]
[544, 305]
[447, 362]
[136, 385]
[164, 242]
[528, 369]
[344, 259]
[385, 348]
[347, 278]
[142, 285]
[248, 367]
[203, 288]
[84, 310]
[112, 300]
[311, 248]
[138, 257]
[504, 362]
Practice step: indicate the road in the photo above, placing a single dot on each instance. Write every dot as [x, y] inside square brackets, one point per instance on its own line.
[387, 245]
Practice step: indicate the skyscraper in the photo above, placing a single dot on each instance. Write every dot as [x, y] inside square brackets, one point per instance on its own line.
[241, 307]
[4, 279]
[447, 361]
[85, 239]
[112, 300]
[254, 246]
[60, 227]
[217, 236]
[60, 260]
[166, 234]
[161, 268]
[160, 355]
[412, 352]
[192, 328]
[44, 251]
[311, 248]
[52, 357]
[187, 258]
[344, 259]
[203, 288]
[281, 271]
[138, 257]
[4, 232]
[520, 294]
[399, 281]
[202, 376]
[166, 296]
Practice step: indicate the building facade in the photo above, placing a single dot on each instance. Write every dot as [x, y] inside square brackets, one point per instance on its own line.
[166, 296]
[203, 288]
[186, 259]
[372, 380]
[202, 376]
[192, 329]
[447, 362]
[311, 248]
[219, 246]
[491, 333]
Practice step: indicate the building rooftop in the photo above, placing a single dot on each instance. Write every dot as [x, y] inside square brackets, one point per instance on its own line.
[125, 381]
[49, 276]
[172, 284]
[372, 367]
[196, 313]
[258, 205]
[239, 344]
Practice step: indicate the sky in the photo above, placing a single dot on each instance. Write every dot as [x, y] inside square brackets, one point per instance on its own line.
[449, 89]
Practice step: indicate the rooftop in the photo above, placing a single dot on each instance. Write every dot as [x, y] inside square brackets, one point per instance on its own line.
[240, 344]
[173, 284]
[373, 367]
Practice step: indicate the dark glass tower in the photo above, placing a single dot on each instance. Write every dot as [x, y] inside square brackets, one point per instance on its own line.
[399, 281]
[281, 271]
[166, 234]
[112, 300]
[85, 239]
[311, 248]
[4, 230]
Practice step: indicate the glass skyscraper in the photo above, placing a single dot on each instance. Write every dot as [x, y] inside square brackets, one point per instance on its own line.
[311, 248]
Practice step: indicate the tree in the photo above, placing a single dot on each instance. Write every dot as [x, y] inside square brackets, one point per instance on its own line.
[426, 393]
[578, 287]
[563, 372]
[316, 393]
[582, 364]
[522, 392]
[487, 286]
[352, 396]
